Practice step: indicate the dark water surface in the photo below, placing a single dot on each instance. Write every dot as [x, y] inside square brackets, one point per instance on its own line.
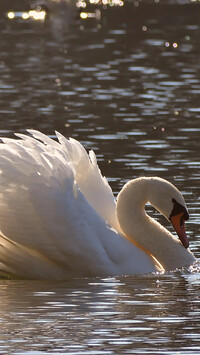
[126, 83]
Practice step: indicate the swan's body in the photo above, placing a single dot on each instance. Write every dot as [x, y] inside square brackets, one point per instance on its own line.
[58, 215]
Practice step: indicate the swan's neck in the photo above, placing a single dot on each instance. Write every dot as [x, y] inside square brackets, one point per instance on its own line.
[147, 232]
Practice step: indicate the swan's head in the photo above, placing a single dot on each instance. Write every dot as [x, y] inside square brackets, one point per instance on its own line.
[168, 200]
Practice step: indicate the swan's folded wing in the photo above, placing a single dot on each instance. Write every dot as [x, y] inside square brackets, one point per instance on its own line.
[44, 214]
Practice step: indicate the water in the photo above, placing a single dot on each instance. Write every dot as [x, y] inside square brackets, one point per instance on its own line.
[126, 84]
[126, 315]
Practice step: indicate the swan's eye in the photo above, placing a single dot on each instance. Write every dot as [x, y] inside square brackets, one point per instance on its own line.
[177, 209]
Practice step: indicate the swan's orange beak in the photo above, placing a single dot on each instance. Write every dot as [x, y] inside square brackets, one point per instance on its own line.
[178, 223]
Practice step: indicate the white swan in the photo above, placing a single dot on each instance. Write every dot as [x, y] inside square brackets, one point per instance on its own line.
[58, 216]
